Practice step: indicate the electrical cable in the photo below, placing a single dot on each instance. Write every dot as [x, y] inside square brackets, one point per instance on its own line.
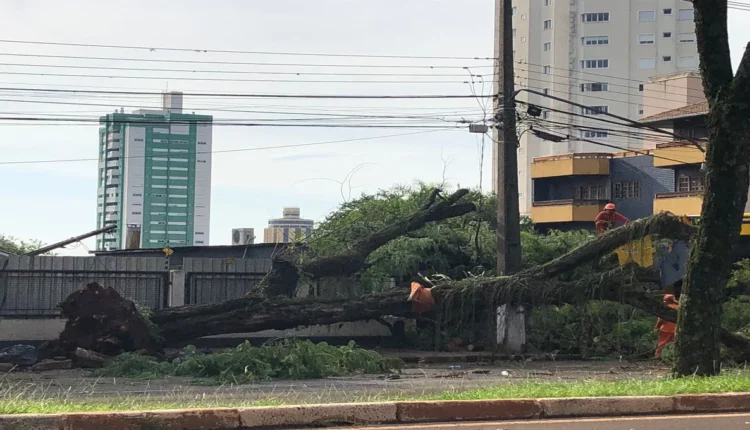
[261, 148]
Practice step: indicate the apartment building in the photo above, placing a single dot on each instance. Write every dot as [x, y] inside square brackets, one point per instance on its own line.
[599, 54]
[154, 177]
[571, 189]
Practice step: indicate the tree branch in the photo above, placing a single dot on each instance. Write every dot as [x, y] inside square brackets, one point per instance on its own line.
[664, 224]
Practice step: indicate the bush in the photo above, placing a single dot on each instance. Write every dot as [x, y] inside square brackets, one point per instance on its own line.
[286, 359]
[597, 329]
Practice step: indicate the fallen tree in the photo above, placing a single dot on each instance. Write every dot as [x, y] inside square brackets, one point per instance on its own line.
[538, 285]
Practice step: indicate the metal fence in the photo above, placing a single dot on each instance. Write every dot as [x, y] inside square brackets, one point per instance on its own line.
[207, 288]
[214, 280]
[38, 293]
[34, 286]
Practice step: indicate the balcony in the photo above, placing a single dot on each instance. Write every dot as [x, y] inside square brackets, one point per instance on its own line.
[676, 154]
[679, 203]
[566, 210]
[570, 165]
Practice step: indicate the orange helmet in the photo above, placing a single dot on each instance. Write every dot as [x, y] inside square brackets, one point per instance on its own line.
[609, 207]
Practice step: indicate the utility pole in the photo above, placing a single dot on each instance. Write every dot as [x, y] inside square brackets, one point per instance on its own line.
[506, 144]
[510, 328]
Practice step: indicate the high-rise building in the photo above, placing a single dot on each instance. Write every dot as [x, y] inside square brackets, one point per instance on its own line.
[598, 54]
[154, 177]
[288, 228]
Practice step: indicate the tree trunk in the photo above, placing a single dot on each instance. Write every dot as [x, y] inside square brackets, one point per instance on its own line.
[727, 156]
[247, 315]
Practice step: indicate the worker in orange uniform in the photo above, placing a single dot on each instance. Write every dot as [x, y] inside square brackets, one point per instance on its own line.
[666, 328]
[607, 218]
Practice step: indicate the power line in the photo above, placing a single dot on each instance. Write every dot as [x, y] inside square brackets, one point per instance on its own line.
[232, 72]
[227, 51]
[185, 78]
[262, 148]
[255, 95]
[244, 63]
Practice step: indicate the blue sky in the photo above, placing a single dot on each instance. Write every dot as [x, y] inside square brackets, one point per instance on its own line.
[58, 200]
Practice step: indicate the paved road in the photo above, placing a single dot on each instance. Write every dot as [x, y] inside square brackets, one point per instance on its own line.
[675, 422]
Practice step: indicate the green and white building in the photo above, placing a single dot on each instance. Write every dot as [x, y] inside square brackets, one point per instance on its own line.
[154, 177]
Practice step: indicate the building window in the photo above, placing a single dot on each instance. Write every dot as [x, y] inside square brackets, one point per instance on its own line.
[545, 91]
[594, 110]
[594, 64]
[666, 58]
[686, 62]
[594, 87]
[514, 11]
[646, 39]
[545, 114]
[547, 70]
[590, 192]
[666, 34]
[595, 17]
[640, 87]
[547, 24]
[691, 183]
[594, 134]
[595, 40]
[523, 16]
[687, 38]
[523, 39]
[646, 63]
[685, 15]
[547, 2]
[547, 46]
[640, 109]
[627, 190]
[647, 16]
[514, 32]
[668, 11]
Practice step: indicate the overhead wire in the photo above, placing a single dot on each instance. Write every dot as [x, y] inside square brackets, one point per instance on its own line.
[260, 148]
[244, 63]
[229, 51]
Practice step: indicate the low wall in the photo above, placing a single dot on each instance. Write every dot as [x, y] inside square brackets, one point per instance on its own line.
[43, 329]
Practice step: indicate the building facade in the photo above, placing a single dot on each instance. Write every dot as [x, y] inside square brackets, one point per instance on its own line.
[154, 178]
[571, 189]
[596, 53]
[288, 228]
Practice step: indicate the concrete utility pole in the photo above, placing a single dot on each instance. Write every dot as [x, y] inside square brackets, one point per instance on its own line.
[506, 177]
[511, 322]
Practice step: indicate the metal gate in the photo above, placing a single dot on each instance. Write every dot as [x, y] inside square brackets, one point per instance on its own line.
[202, 288]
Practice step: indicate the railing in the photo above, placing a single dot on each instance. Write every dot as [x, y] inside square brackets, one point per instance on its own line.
[570, 202]
[678, 195]
[576, 156]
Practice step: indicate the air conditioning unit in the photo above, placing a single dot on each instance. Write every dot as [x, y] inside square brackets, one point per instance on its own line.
[243, 236]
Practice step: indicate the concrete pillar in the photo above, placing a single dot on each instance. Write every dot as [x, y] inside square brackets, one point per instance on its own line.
[511, 329]
[176, 288]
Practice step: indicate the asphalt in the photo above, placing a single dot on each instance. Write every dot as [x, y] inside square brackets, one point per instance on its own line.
[672, 422]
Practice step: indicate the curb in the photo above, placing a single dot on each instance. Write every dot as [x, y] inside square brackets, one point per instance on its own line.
[381, 413]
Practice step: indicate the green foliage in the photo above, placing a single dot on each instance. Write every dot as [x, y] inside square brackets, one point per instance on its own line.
[736, 315]
[538, 249]
[597, 329]
[285, 359]
[741, 275]
[453, 247]
[17, 246]
[145, 312]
